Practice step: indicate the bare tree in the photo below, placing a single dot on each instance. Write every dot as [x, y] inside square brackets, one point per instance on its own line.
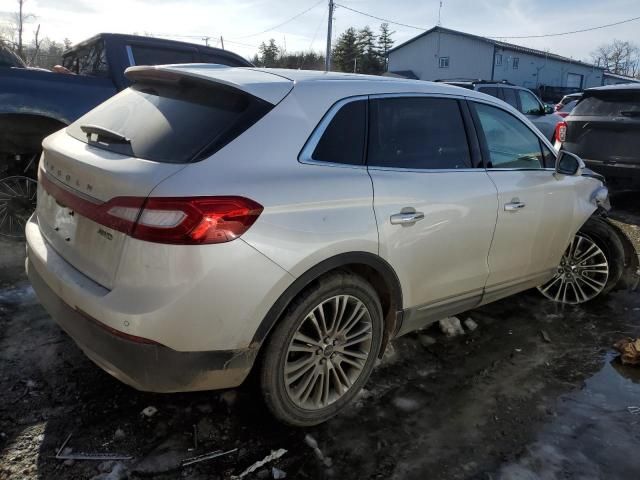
[619, 57]
[36, 47]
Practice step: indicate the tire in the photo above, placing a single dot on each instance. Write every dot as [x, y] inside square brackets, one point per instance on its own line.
[17, 203]
[329, 368]
[583, 275]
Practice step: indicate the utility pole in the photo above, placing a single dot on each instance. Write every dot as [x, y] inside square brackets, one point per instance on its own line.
[222, 42]
[327, 58]
[206, 41]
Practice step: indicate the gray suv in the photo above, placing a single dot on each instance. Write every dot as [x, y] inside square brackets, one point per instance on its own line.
[520, 98]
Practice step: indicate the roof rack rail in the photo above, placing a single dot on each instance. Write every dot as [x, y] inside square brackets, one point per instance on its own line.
[474, 81]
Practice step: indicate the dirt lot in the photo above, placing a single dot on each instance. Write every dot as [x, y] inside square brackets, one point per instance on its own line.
[534, 392]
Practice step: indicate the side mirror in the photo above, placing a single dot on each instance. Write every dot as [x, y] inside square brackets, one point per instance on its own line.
[568, 163]
[548, 109]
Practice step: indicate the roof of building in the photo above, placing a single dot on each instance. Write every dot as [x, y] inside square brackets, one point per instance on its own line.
[621, 77]
[498, 43]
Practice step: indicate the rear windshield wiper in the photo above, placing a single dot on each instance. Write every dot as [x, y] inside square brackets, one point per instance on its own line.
[104, 133]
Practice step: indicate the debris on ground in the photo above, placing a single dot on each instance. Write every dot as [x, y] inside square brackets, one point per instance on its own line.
[309, 440]
[470, 324]
[274, 455]
[426, 340]
[451, 327]
[66, 453]
[150, 411]
[629, 349]
[206, 456]
[545, 336]
[117, 471]
[278, 474]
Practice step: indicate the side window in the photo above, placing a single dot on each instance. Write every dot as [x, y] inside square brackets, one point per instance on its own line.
[493, 91]
[343, 139]
[160, 56]
[530, 105]
[509, 95]
[417, 133]
[509, 142]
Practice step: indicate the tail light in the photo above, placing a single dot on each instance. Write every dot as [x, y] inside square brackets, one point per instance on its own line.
[174, 220]
[187, 220]
[560, 134]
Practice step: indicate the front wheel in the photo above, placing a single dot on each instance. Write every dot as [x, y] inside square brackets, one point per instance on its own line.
[591, 266]
[322, 351]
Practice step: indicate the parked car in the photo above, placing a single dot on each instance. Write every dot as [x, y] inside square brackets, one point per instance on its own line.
[36, 103]
[604, 129]
[567, 104]
[520, 98]
[207, 221]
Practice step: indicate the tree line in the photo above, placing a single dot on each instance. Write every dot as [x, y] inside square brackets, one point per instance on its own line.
[358, 51]
[619, 57]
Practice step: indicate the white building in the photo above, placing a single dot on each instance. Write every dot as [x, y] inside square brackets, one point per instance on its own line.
[444, 54]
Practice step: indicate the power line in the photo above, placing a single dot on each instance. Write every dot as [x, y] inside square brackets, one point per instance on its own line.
[380, 18]
[574, 31]
[498, 36]
[286, 21]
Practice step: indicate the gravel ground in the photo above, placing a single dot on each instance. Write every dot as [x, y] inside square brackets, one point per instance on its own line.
[534, 391]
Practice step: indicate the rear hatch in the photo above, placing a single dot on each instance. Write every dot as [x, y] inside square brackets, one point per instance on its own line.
[604, 127]
[96, 175]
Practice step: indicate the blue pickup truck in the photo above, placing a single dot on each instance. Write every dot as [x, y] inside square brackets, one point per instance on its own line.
[35, 103]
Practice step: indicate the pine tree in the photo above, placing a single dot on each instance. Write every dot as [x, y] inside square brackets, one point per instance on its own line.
[385, 43]
[346, 51]
[269, 54]
[368, 58]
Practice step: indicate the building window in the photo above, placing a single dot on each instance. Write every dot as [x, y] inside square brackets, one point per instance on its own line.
[516, 60]
[444, 62]
[498, 59]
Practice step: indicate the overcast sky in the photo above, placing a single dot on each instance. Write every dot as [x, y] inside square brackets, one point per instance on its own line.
[240, 21]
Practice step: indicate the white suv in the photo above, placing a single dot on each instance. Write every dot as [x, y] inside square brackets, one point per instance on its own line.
[209, 219]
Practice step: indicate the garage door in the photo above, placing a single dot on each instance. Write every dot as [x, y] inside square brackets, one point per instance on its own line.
[574, 80]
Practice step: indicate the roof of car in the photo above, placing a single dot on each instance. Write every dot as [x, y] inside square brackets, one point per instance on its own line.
[270, 83]
[620, 86]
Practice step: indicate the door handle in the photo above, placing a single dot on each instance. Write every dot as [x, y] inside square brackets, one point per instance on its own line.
[514, 206]
[408, 218]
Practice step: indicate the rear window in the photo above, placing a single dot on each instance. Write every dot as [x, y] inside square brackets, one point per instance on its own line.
[161, 56]
[619, 104]
[169, 123]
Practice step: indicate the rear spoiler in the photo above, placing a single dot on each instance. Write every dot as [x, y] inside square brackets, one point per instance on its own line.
[266, 86]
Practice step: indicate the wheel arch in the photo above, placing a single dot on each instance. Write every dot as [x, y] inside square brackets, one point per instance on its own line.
[369, 266]
[23, 131]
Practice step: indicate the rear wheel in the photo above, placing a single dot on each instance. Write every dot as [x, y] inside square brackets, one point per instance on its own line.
[591, 266]
[17, 203]
[322, 351]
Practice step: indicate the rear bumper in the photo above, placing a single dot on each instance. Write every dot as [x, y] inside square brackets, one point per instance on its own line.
[621, 175]
[144, 366]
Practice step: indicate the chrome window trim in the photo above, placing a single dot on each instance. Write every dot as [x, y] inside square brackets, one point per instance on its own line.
[132, 61]
[306, 154]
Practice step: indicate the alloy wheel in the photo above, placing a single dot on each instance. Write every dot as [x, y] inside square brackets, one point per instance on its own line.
[328, 352]
[582, 274]
[17, 203]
